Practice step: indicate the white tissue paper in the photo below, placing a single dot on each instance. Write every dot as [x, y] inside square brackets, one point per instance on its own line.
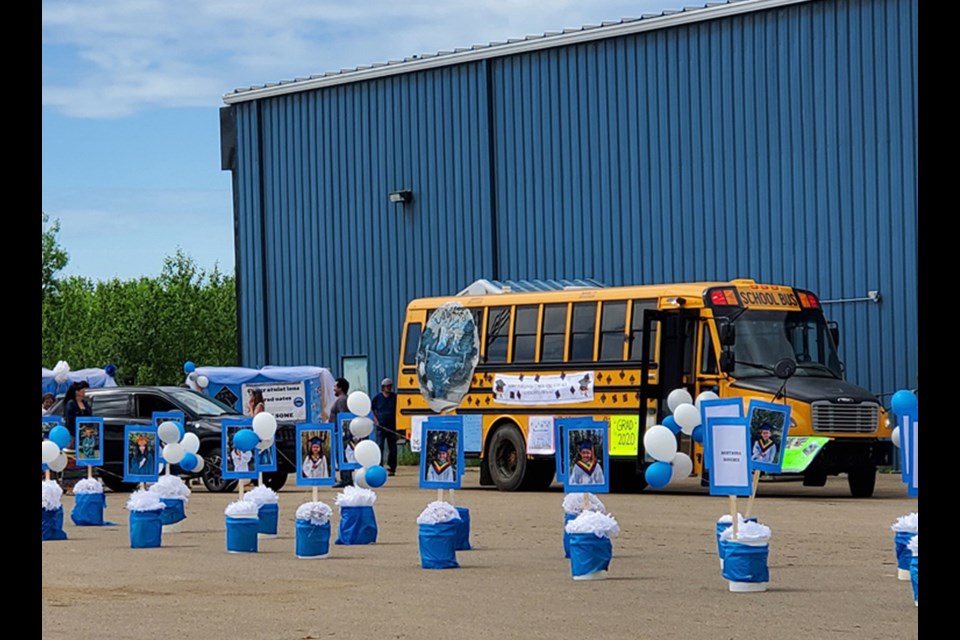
[437, 512]
[88, 485]
[144, 501]
[242, 509]
[728, 519]
[909, 523]
[262, 495]
[573, 503]
[352, 496]
[316, 512]
[171, 487]
[914, 545]
[748, 532]
[602, 525]
[50, 493]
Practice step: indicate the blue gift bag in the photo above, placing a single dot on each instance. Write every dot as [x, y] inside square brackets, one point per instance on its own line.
[268, 515]
[900, 541]
[589, 553]
[567, 517]
[746, 562]
[145, 528]
[242, 534]
[88, 509]
[173, 511]
[438, 545]
[358, 525]
[463, 530]
[51, 524]
[313, 540]
[914, 580]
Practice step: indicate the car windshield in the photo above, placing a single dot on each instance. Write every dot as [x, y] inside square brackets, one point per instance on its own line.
[764, 337]
[201, 404]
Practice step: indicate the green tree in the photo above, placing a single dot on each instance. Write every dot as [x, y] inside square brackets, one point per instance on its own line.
[53, 257]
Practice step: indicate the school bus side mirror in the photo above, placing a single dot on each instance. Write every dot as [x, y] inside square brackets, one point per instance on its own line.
[834, 332]
[728, 362]
[728, 334]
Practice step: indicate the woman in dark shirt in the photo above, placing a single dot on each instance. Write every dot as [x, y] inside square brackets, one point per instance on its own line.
[76, 404]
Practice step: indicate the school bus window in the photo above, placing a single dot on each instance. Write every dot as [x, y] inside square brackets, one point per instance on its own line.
[636, 328]
[498, 326]
[613, 321]
[525, 333]
[582, 331]
[708, 357]
[411, 343]
[554, 332]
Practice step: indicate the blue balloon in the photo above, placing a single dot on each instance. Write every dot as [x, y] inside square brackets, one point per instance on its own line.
[671, 423]
[189, 367]
[658, 474]
[189, 461]
[697, 434]
[904, 403]
[110, 370]
[375, 476]
[245, 439]
[61, 435]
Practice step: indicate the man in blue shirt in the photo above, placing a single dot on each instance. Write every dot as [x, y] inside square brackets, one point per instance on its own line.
[384, 406]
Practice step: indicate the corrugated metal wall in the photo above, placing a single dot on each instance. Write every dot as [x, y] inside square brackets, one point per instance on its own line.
[779, 145]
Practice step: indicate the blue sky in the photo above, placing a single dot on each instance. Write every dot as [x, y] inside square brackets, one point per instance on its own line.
[131, 91]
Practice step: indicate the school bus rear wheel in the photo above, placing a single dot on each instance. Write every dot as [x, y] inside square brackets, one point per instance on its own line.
[507, 458]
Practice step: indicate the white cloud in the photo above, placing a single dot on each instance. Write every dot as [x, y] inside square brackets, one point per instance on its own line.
[112, 58]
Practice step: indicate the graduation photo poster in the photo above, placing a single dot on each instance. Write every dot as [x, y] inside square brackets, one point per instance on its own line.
[560, 426]
[721, 407]
[236, 464]
[441, 453]
[89, 439]
[768, 428]
[730, 452]
[141, 461]
[588, 460]
[315, 455]
[347, 442]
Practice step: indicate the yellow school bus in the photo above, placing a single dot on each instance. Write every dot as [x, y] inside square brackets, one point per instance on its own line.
[615, 353]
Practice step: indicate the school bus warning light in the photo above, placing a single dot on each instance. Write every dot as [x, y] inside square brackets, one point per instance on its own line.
[724, 298]
[808, 300]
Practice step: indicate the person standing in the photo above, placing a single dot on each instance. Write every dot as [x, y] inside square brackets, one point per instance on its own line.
[384, 407]
[341, 386]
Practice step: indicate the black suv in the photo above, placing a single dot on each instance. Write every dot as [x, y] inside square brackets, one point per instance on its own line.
[120, 406]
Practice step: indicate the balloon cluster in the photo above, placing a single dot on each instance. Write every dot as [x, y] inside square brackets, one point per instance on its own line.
[371, 475]
[903, 403]
[196, 381]
[51, 451]
[260, 436]
[660, 441]
[180, 447]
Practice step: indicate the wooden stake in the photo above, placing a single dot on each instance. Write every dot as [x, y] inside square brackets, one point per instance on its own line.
[451, 498]
[753, 493]
[240, 484]
[47, 474]
[733, 514]
[89, 472]
[586, 501]
[316, 493]
[440, 495]
[260, 478]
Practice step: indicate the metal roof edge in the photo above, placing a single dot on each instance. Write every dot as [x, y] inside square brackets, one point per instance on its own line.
[511, 47]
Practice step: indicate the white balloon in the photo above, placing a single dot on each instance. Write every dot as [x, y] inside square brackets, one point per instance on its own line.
[193, 376]
[688, 417]
[263, 445]
[59, 463]
[359, 403]
[706, 395]
[168, 432]
[361, 427]
[265, 425]
[360, 479]
[678, 397]
[895, 437]
[682, 467]
[49, 450]
[200, 464]
[174, 452]
[368, 453]
[190, 443]
[203, 382]
[660, 443]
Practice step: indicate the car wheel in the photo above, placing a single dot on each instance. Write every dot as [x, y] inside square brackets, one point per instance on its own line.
[275, 479]
[862, 481]
[507, 458]
[211, 474]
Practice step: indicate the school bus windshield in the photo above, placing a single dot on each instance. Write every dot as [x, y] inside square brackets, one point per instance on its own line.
[764, 337]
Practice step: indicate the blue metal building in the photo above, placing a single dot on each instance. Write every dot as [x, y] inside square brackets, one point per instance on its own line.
[769, 139]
